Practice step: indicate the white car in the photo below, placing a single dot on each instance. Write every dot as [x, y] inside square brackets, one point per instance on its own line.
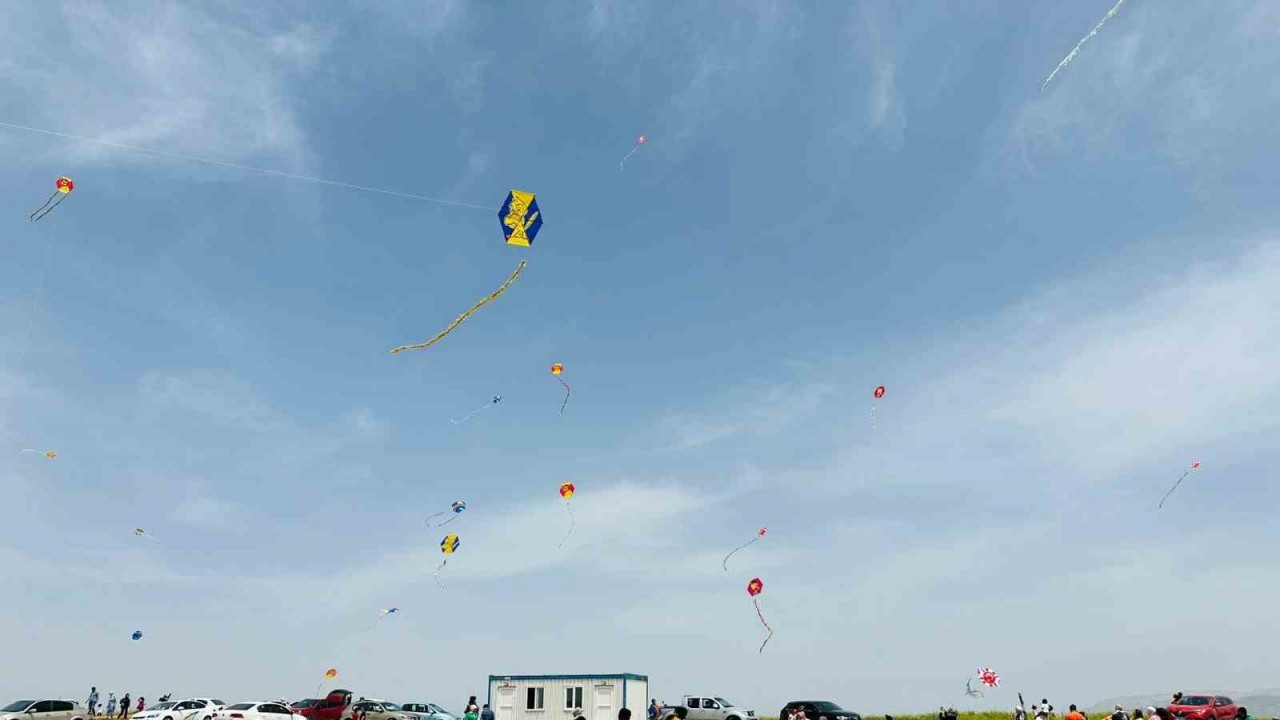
[43, 710]
[189, 709]
[256, 711]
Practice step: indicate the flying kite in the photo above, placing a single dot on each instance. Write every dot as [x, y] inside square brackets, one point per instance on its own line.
[566, 491]
[968, 689]
[47, 453]
[331, 673]
[458, 321]
[989, 677]
[496, 399]
[137, 635]
[759, 534]
[521, 219]
[1194, 466]
[556, 370]
[382, 614]
[879, 393]
[456, 508]
[62, 188]
[143, 533]
[754, 588]
[639, 141]
[448, 546]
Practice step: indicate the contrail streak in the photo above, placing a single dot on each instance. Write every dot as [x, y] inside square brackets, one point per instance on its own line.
[1071, 55]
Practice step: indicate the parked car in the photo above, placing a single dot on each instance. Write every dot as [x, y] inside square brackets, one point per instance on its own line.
[256, 711]
[1204, 707]
[43, 710]
[709, 707]
[380, 710]
[189, 709]
[428, 711]
[332, 707]
[815, 709]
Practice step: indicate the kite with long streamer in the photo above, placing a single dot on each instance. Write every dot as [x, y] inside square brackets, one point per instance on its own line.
[759, 534]
[329, 674]
[61, 189]
[556, 370]
[877, 394]
[754, 588]
[448, 546]
[989, 677]
[641, 140]
[496, 399]
[1072, 55]
[139, 532]
[566, 491]
[382, 615]
[455, 509]
[47, 453]
[1194, 466]
[458, 321]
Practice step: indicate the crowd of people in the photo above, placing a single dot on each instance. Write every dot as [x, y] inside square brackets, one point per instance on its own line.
[109, 708]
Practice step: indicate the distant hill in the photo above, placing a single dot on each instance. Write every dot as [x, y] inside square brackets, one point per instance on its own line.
[1260, 703]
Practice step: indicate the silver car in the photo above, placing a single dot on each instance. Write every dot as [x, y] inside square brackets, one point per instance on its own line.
[428, 711]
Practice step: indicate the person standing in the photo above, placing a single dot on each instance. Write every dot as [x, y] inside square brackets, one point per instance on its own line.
[624, 714]
[92, 703]
[124, 706]
[142, 702]
[111, 705]
[486, 712]
[1073, 714]
[654, 709]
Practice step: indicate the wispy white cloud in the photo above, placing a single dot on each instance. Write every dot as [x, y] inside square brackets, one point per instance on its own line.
[201, 509]
[761, 411]
[176, 77]
[213, 394]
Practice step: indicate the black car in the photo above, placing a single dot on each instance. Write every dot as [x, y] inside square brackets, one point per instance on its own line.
[818, 709]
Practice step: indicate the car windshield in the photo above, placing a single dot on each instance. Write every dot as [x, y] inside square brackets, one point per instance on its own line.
[828, 706]
[1194, 700]
[241, 706]
[723, 702]
[305, 703]
[217, 702]
[436, 708]
[17, 706]
[162, 706]
[391, 706]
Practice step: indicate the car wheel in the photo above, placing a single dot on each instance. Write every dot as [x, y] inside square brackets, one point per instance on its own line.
[733, 717]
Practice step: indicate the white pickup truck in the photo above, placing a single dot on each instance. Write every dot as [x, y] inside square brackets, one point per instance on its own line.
[708, 707]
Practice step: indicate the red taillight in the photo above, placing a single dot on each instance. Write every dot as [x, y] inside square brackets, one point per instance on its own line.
[238, 716]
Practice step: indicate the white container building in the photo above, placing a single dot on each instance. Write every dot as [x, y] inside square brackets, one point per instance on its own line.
[555, 697]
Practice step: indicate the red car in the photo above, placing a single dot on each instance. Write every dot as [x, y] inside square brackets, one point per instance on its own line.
[331, 708]
[1204, 707]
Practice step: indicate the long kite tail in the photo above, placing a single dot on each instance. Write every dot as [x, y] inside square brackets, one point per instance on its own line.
[46, 208]
[469, 415]
[1071, 55]
[435, 515]
[725, 563]
[625, 157]
[567, 391]
[762, 622]
[485, 301]
[1175, 487]
[436, 573]
[572, 523]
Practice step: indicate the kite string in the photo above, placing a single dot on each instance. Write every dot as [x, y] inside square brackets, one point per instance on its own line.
[249, 168]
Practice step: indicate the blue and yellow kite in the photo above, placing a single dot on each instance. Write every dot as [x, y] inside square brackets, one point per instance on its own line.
[520, 218]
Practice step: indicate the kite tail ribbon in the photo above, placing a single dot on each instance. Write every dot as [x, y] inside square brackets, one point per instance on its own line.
[567, 391]
[458, 321]
[436, 572]
[762, 622]
[572, 523]
[46, 208]
[470, 415]
[1175, 487]
[725, 563]
[627, 156]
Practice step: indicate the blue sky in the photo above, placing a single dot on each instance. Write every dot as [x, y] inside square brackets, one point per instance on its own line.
[1070, 295]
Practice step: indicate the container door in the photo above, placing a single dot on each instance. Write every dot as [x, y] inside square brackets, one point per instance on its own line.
[506, 703]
